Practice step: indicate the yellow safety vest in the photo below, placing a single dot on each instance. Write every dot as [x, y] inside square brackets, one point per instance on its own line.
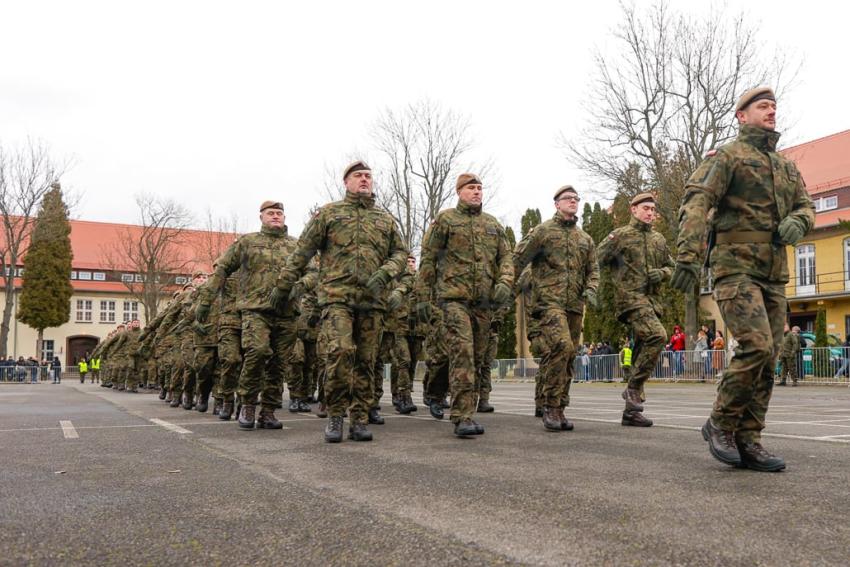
[627, 356]
[95, 364]
[83, 366]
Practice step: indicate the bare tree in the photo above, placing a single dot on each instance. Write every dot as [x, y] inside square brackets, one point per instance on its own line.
[663, 95]
[217, 235]
[26, 175]
[152, 250]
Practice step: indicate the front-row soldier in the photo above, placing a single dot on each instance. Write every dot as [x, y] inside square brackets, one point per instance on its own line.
[760, 206]
[565, 274]
[268, 333]
[640, 262]
[466, 269]
[361, 251]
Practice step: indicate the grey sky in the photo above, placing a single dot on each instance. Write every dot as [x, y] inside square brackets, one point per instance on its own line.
[223, 105]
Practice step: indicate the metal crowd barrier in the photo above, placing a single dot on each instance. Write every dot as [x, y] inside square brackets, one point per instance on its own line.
[24, 373]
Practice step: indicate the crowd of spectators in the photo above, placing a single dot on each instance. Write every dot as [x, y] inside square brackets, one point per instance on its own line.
[29, 369]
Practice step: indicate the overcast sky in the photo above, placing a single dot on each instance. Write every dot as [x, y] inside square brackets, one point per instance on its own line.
[223, 105]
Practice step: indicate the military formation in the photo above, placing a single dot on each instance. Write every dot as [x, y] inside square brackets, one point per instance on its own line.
[323, 313]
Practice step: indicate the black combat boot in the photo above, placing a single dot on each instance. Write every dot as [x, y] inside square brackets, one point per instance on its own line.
[436, 409]
[333, 431]
[484, 406]
[566, 424]
[397, 403]
[633, 401]
[538, 412]
[246, 416]
[755, 456]
[217, 403]
[465, 428]
[226, 411]
[479, 429]
[322, 410]
[410, 403]
[106, 385]
[293, 405]
[375, 418]
[162, 393]
[267, 420]
[444, 403]
[550, 419]
[721, 444]
[358, 432]
[187, 400]
[175, 400]
[303, 406]
[203, 403]
[405, 405]
[635, 419]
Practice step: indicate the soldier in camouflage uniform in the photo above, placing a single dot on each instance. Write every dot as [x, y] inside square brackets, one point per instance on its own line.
[132, 359]
[187, 347]
[760, 207]
[788, 356]
[229, 347]
[205, 341]
[178, 349]
[147, 340]
[305, 357]
[565, 274]
[361, 251]
[640, 262]
[394, 348]
[268, 332]
[466, 268]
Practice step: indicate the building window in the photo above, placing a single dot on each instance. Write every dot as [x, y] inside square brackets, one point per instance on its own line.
[806, 275]
[107, 311]
[47, 350]
[19, 272]
[127, 278]
[84, 275]
[131, 311]
[826, 203]
[74, 275]
[84, 311]
[707, 282]
[181, 280]
[99, 276]
[139, 278]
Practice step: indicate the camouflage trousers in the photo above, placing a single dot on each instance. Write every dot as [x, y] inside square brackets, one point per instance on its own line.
[205, 363]
[554, 346]
[788, 369]
[435, 384]
[303, 375]
[187, 359]
[650, 338]
[484, 378]
[416, 348]
[352, 338]
[229, 362]
[754, 313]
[267, 342]
[468, 337]
[393, 351]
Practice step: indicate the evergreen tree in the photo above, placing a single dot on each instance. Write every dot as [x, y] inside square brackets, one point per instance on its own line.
[601, 324]
[507, 333]
[46, 292]
[530, 219]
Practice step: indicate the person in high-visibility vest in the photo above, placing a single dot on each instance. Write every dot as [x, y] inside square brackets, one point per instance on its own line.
[95, 369]
[626, 362]
[84, 368]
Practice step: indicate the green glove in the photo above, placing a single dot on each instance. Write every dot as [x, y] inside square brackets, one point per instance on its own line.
[395, 300]
[296, 292]
[685, 276]
[423, 311]
[199, 328]
[278, 297]
[202, 312]
[590, 297]
[377, 282]
[656, 275]
[501, 294]
[791, 230]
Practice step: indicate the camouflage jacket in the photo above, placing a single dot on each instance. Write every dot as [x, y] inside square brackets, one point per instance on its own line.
[209, 336]
[355, 240]
[131, 345]
[563, 264]
[790, 345]
[751, 189]
[396, 322]
[258, 257]
[465, 254]
[229, 316]
[631, 251]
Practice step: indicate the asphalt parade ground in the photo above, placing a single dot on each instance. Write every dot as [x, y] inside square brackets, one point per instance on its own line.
[98, 477]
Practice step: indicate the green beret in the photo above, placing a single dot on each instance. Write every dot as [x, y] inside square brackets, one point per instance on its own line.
[271, 205]
[358, 165]
[565, 189]
[467, 179]
[642, 198]
[752, 95]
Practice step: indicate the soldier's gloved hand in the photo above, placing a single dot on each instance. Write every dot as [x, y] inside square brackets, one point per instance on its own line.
[423, 311]
[296, 292]
[791, 230]
[278, 297]
[656, 275]
[590, 297]
[395, 300]
[313, 320]
[202, 312]
[685, 276]
[377, 282]
[501, 294]
[199, 328]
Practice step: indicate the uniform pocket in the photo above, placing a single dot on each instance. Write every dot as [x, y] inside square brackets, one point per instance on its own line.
[726, 292]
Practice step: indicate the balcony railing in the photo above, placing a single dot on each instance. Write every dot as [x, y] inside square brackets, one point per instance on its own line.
[831, 283]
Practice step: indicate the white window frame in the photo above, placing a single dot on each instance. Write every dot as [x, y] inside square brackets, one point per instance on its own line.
[847, 264]
[131, 310]
[99, 276]
[127, 278]
[84, 276]
[139, 278]
[181, 280]
[107, 311]
[47, 352]
[804, 257]
[84, 311]
[826, 203]
[73, 274]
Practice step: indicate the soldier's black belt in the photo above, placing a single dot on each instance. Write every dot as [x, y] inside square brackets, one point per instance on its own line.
[744, 236]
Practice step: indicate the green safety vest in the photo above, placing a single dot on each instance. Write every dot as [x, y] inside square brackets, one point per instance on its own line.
[83, 366]
[627, 356]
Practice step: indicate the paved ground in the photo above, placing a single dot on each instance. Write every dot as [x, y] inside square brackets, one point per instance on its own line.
[93, 476]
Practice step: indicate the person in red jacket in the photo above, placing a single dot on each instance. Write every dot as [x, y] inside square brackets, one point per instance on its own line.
[677, 345]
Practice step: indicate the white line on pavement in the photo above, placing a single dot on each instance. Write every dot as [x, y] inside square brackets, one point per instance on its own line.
[169, 426]
[68, 430]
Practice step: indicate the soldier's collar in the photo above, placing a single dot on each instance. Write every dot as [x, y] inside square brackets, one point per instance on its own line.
[468, 209]
[365, 201]
[274, 231]
[764, 140]
[561, 220]
[640, 225]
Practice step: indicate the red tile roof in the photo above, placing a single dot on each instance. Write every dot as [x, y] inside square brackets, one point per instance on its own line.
[831, 218]
[824, 163]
